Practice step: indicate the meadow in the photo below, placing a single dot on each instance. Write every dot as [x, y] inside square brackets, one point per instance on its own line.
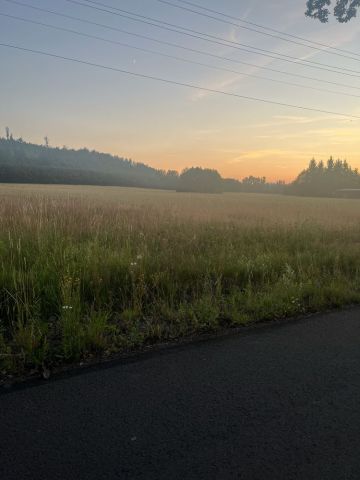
[90, 271]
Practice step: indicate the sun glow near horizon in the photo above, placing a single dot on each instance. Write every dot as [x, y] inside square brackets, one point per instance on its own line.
[284, 147]
[173, 127]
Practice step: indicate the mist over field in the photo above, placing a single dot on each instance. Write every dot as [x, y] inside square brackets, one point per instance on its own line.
[179, 239]
[171, 168]
[96, 270]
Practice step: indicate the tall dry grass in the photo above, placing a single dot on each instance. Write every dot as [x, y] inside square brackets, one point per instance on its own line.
[85, 270]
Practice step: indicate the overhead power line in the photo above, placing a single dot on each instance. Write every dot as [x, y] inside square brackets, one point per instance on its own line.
[269, 29]
[172, 57]
[214, 39]
[224, 42]
[182, 47]
[174, 82]
[267, 34]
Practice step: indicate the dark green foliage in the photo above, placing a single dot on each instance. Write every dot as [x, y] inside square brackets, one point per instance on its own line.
[326, 180]
[253, 184]
[22, 162]
[344, 10]
[200, 180]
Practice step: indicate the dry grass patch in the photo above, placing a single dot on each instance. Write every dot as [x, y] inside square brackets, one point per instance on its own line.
[89, 270]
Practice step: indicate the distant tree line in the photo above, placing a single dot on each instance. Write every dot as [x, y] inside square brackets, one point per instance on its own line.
[253, 184]
[198, 179]
[22, 162]
[324, 180]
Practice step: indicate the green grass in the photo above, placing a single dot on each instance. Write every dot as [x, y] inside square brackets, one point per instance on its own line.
[89, 271]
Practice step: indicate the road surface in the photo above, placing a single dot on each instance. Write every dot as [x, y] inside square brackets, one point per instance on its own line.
[279, 402]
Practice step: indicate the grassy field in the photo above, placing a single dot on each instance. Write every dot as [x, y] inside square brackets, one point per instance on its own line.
[90, 270]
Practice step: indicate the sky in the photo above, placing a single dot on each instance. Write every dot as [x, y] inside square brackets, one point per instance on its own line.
[173, 127]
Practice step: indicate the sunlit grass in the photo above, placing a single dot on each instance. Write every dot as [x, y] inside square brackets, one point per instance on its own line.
[90, 270]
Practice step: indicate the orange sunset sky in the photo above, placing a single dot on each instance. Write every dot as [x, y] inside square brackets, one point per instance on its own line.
[173, 127]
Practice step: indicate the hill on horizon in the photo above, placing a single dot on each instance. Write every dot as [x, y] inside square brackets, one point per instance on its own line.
[25, 162]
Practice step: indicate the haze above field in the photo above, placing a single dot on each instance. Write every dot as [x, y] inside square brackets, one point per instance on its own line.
[171, 127]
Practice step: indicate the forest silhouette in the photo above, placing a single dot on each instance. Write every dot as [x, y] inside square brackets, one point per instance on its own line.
[23, 162]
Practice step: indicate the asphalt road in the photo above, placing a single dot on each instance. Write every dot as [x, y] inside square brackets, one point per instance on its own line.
[280, 402]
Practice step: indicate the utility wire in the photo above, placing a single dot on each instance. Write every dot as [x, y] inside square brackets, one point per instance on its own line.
[295, 61]
[214, 39]
[176, 45]
[247, 22]
[173, 82]
[172, 57]
[96, 3]
[272, 35]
